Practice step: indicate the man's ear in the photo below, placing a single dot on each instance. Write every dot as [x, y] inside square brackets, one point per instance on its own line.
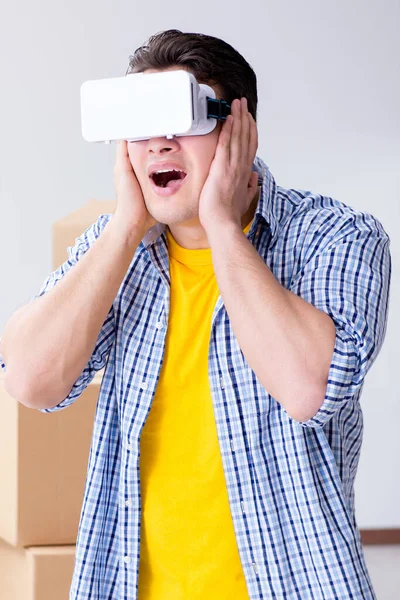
[252, 184]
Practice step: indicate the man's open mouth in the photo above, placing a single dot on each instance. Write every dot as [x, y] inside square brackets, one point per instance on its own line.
[163, 177]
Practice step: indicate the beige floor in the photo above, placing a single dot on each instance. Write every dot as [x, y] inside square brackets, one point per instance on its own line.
[383, 564]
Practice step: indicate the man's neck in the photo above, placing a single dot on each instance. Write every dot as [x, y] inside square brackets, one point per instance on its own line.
[192, 235]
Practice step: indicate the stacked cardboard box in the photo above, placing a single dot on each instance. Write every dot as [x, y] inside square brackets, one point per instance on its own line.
[43, 466]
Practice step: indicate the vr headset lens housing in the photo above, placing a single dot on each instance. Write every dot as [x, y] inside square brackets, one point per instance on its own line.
[140, 106]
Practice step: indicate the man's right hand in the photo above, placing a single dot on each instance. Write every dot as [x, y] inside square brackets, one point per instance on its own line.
[131, 209]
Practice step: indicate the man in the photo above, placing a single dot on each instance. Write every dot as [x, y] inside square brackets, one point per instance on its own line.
[244, 318]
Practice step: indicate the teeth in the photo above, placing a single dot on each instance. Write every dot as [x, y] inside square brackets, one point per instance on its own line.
[167, 171]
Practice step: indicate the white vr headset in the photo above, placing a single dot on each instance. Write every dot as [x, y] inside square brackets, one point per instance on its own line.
[141, 106]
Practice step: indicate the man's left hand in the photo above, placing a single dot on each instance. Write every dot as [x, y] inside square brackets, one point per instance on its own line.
[231, 184]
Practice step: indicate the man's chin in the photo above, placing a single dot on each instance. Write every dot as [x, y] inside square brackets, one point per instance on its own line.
[173, 215]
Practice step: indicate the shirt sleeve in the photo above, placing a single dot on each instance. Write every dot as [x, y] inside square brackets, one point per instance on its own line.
[106, 336]
[345, 271]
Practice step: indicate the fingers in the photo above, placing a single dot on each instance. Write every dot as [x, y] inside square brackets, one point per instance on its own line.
[225, 138]
[236, 134]
[122, 162]
[253, 138]
[245, 129]
[244, 136]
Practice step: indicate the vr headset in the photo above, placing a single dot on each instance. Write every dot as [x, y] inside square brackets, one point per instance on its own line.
[141, 106]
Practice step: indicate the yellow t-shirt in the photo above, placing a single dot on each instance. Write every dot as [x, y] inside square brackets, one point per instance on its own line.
[188, 548]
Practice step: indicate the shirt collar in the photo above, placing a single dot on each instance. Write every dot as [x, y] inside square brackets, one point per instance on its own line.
[267, 202]
[265, 207]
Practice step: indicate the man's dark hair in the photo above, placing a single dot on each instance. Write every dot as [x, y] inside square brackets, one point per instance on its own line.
[209, 59]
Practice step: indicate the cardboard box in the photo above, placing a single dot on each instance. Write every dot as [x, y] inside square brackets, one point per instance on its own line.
[67, 229]
[44, 457]
[43, 467]
[36, 573]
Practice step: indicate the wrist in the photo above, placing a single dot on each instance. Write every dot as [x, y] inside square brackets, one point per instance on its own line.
[215, 229]
[129, 234]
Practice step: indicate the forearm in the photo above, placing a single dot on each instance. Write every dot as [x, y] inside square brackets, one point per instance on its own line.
[286, 341]
[47, 343]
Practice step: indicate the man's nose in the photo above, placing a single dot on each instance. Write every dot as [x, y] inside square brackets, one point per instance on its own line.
[162, 145]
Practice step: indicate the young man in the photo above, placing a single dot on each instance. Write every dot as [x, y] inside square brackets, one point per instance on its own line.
[244, 318]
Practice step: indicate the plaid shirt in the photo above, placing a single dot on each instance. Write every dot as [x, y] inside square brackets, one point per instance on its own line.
[289, 483]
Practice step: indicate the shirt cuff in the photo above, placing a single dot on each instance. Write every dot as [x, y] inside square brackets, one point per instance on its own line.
[345, 379]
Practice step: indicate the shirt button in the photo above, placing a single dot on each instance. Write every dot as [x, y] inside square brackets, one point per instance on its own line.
[127, 560]
[242, 506]
[222, 383]
[254, 567]
[128, 503]
[144, 385]
[129, 446]
[159, 325]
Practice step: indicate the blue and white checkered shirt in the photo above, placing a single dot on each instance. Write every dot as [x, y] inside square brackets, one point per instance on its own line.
[290, 484]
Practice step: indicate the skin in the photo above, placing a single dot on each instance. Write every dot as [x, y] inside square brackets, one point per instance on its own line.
[180, 212]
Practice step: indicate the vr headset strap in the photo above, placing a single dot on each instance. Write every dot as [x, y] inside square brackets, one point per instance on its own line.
[218, 109]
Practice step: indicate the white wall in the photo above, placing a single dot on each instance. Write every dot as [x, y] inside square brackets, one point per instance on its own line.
[329, 122]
